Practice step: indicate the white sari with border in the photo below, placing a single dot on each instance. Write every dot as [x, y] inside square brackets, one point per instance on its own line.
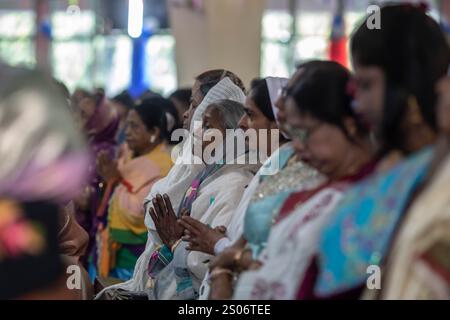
[291, 245]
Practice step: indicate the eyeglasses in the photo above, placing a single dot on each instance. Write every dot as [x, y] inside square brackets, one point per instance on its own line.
[300, 133]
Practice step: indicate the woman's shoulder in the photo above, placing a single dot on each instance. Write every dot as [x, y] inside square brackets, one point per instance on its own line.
[231, 178]
[405, 172]
[161, 158]
[239, 172]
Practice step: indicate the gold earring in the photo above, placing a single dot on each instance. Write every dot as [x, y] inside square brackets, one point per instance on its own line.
[414, 114]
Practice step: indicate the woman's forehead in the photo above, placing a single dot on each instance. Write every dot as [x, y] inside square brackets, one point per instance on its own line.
[250, 104]
[211, 112]
[133, 116]
[213, 115]
[367, 72]
[301, 118]
[196, 89]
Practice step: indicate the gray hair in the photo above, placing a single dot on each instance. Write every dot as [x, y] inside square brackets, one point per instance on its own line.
[230, 111]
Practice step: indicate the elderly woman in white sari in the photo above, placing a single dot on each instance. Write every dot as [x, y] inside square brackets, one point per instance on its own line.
[209, 87]
[327, 135]
[207, 200]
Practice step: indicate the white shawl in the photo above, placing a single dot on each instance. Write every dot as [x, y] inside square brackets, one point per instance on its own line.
[291, 245]
[218, 198]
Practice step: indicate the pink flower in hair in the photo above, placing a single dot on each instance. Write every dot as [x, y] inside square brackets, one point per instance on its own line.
[18, 236]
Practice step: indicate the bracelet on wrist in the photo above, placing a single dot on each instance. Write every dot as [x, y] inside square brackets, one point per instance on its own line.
[175, 245]
[238, 258]
[219, 272]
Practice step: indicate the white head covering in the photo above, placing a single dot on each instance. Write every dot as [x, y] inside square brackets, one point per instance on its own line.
[275, 85]
[177, 182]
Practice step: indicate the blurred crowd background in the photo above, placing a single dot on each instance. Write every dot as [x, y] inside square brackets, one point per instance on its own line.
[86, 43]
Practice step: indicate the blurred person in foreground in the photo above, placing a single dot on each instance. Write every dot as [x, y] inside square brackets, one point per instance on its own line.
[39, 174]
[418, 265]
[397, 69]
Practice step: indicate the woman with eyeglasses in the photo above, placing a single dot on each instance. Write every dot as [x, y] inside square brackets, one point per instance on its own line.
[326, 134]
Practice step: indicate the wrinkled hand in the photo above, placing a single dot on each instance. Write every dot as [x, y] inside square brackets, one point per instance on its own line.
[221, 288]
[107, 168]
[225, 259]
[200, 236]
[165, 220]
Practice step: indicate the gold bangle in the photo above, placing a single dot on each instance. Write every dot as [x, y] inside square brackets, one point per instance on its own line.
[238, 257]
[220, 271]
[175, 245]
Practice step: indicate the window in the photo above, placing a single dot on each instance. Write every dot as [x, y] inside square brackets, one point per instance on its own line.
[17, 29]
[82, 58]
[161, 63]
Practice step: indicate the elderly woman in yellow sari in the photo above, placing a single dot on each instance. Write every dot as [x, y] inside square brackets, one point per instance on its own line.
[143, 160]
